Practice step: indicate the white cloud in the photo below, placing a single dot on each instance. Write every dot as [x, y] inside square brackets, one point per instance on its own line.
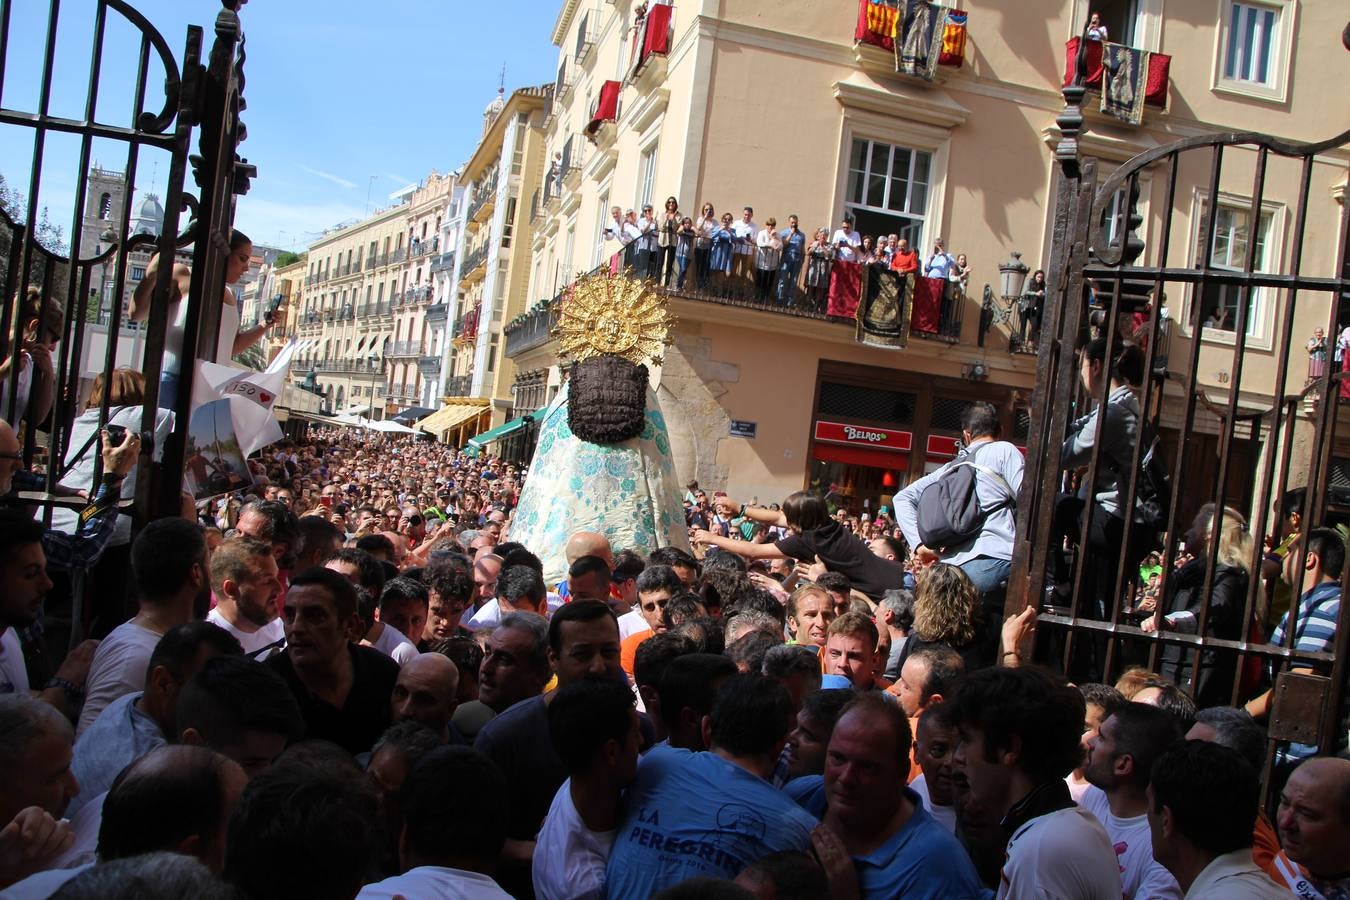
[327, 176]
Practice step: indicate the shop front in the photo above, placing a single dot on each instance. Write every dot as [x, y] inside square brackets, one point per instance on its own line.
[874, 430]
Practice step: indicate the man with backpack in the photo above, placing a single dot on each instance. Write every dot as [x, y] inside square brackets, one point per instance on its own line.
[965, 513]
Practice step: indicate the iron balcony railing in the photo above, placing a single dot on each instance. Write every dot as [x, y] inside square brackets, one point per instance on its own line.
[458, 385]
[429, 366]
[533, 329]
[437, 313]
[482, 195]
[443, 263]
[585, 40]
[475, 259]
[401, 349]
[398, 256]
[467, 326]
[345, 366]
[421, 248]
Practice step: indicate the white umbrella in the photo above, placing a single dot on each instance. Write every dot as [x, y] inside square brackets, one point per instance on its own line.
[390, 427]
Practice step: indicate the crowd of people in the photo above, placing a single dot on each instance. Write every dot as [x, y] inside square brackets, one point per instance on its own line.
[350, 681]
[734, 256]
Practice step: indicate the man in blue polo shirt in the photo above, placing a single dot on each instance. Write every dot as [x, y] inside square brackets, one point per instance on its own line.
[898, 848]
[1318, 558]
[711, 813]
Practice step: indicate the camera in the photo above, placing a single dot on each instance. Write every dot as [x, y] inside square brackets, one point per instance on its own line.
[116, 434]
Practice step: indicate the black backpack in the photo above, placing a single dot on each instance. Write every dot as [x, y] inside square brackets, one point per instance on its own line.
[948, 510]
[1153, 491]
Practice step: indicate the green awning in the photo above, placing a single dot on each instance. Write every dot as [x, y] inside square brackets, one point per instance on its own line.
[478, 443]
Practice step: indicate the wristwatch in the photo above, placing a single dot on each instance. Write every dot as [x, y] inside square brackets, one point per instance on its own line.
[74, 693]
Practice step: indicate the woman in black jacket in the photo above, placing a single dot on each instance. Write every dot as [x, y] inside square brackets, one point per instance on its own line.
[1231, 544]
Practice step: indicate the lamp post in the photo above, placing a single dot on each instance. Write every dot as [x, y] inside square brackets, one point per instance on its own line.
[1012, 278]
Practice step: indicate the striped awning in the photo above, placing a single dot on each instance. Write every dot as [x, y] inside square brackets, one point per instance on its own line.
[447, 417]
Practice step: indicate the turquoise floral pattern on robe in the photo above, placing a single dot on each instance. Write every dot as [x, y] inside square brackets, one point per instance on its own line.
[627, 491]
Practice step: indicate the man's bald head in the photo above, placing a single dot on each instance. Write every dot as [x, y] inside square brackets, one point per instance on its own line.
[426, 692]
[1314, 816]
[1332, 775]
[589, 543]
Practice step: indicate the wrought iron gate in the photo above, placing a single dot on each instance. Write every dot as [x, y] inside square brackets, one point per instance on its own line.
[205, 96]
[1106, 280]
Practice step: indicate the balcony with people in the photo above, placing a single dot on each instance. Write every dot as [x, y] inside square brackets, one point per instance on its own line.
[1121, 80]
[892, 292]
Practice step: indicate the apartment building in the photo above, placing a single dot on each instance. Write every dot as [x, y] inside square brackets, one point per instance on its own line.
[367, 287]
[798, 108]
[490, 272]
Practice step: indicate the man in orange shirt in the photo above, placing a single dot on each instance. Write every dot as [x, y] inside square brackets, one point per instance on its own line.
[655, 586]
[904, 260]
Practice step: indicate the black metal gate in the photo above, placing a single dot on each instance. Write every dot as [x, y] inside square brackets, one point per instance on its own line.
[1239, 436]
[203, 95]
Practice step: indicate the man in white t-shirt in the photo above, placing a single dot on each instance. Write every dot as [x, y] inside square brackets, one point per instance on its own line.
[1120, 758]
[846, 241]
[595, 730]
[168, 563]
[1019, 731]
[743, 259]
[381, 634]
[454, 827]
[934, 741]
[244, 580]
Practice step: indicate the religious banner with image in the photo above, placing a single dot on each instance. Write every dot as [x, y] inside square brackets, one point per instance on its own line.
[883, 311]
[1124, 82]
[918, 41]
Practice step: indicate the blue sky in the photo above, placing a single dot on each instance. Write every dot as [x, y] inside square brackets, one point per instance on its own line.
[347, 102]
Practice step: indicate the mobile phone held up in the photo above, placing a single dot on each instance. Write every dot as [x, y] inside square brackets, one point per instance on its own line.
[116, 434]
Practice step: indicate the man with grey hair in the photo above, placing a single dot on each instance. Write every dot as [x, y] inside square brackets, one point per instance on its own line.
[896, 612]
[515, 667]
[36, 784]
[742, 624]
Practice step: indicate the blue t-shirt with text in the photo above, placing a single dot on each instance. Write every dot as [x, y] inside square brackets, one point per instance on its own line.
[694, 814]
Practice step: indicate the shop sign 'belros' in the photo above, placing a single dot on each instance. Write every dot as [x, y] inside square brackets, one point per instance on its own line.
[855, 435]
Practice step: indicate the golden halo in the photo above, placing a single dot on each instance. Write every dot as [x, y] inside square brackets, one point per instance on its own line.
[611, 314]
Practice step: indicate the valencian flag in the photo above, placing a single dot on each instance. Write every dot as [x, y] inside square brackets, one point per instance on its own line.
[877, 22]
[882, 313]
[954, 39]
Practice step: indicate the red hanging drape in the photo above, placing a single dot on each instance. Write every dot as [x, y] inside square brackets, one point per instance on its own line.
[845, 288]
[927, 312]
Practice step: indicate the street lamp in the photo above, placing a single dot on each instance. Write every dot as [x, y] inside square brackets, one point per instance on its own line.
[1012, 278]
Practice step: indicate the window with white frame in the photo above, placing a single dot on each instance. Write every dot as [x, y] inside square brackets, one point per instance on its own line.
[1233, 237]
[647, 175]
[1254, 46]
[569, 243]
[888, 189]
[601, 223]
